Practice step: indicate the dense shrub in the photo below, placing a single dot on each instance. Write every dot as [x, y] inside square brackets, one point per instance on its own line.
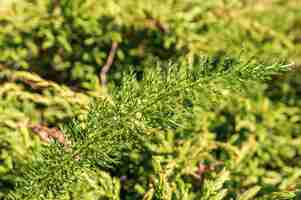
[205, 128]
[155, 136]
[70, 40]
[25, 101]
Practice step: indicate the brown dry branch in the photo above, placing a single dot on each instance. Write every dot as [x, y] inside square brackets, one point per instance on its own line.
[105, 69]
[47, 134]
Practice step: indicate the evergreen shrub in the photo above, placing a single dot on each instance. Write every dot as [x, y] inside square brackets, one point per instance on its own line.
[69, 41]
[181, 132]
[217, 127]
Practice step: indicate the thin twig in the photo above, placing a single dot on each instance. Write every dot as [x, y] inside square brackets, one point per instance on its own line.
[105, 69]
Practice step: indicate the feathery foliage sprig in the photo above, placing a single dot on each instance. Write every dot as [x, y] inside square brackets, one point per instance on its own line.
[113, 128]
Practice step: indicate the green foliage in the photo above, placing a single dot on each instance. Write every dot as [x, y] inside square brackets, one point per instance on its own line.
[168, 104]
[70, 40]
[205, 128]
[26, 99]
[55, 36]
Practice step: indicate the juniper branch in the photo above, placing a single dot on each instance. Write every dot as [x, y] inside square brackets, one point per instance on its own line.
[110, 130]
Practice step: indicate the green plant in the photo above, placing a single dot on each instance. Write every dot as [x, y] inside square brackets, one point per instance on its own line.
[70, 41]
[178, 103]
[206, 128]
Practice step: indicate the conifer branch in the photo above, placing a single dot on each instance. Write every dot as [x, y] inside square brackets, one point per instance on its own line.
[110, 130]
